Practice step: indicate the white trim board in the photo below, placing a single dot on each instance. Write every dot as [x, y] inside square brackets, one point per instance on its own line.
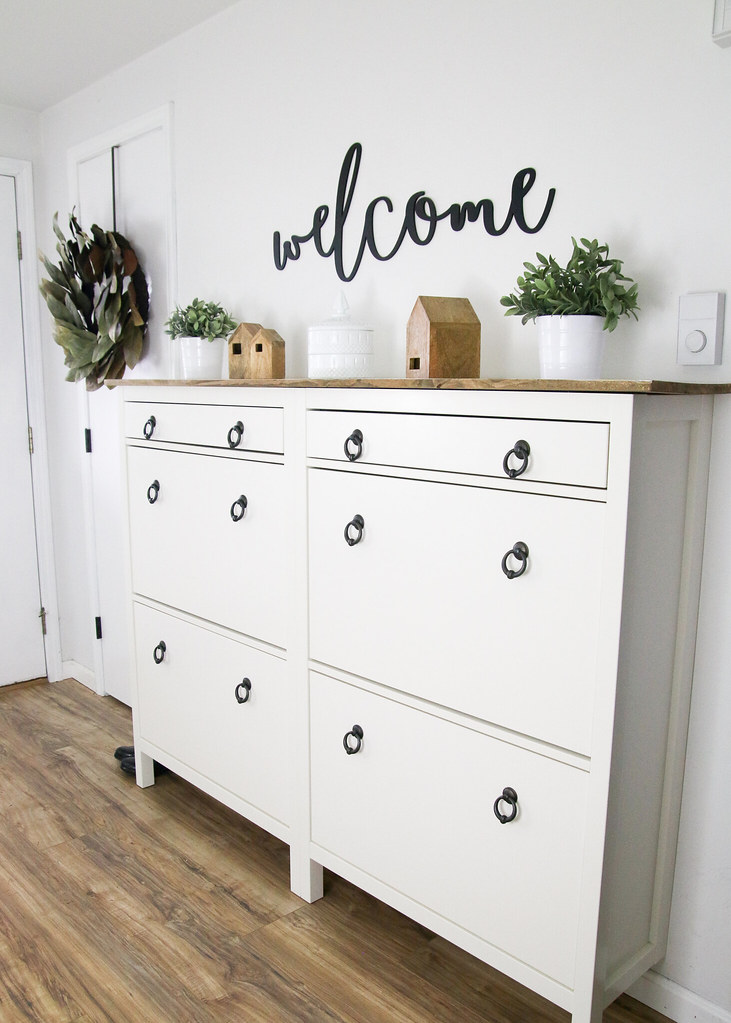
[79, 673]
[22, 172]
[675, 1001]
[722, 23]
[160, 118]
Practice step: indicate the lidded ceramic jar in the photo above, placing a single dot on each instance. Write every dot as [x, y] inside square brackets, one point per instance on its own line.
[338, 348]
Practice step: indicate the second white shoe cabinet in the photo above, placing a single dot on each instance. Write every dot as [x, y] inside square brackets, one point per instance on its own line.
[439, 640]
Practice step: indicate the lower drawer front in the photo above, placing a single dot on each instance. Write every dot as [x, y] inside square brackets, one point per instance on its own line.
[414, 809]
[422, 603]
[207, 537]
[189, 705]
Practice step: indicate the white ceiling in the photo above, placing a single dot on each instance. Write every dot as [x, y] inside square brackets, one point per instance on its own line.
[49, 49]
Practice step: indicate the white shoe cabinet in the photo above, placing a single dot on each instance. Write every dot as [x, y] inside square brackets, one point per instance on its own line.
[440, 641]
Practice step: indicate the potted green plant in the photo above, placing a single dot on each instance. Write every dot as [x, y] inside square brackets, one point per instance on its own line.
[202, 330]
[573, 306]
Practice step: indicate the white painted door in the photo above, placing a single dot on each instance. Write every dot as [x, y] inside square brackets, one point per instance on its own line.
[123, 181]
[22, 654]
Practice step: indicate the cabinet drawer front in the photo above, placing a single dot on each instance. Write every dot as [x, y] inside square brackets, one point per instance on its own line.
[421, 603]
[189, 705]
[213, 426]
[197, 547]
[414, 808]
[574, 453]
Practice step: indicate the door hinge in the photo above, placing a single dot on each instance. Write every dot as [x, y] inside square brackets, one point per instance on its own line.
[20, 246]
[98, 627]
[87, 441]
[30, 439]
[42, 616]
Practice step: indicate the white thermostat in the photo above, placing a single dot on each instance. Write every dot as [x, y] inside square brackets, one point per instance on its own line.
[700, 328]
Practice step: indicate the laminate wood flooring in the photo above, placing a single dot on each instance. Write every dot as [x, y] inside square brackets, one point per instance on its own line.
[123, 905]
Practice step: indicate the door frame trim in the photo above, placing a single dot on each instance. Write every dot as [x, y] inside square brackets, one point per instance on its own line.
[22, 172]
[162, 118]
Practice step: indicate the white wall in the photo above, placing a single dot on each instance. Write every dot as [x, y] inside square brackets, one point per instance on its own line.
[622, 107]
[19, 133]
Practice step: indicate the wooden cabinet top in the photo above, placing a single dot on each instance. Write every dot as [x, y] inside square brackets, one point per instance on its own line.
[472, 384]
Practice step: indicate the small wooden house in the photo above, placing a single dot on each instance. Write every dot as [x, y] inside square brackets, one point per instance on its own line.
[238, 346]
[442, 339]
[264, 356]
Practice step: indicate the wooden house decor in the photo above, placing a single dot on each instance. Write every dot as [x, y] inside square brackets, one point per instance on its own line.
[442, 339]
[238, 345]
[264, 356]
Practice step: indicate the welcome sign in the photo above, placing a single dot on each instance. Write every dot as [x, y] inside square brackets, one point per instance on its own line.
[419, 221]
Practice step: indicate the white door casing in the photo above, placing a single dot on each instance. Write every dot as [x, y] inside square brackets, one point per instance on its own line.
[123, 181]
[26, 558]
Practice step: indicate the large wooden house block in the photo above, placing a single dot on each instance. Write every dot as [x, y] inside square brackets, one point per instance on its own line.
[238, 346]
[442, 339]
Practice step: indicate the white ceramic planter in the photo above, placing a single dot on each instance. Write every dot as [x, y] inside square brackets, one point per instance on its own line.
[570, 347]
[201, 359]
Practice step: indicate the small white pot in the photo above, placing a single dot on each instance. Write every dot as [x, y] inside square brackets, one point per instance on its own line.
[570, 347]
[201, 359]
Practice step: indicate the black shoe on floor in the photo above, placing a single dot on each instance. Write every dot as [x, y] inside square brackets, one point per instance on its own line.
[128, 766]
[124, 751]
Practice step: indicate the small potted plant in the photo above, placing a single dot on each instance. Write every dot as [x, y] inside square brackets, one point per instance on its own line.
[202, 330]
[573, 306]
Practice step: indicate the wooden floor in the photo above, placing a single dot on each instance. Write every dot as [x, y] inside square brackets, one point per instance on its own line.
[161, 906]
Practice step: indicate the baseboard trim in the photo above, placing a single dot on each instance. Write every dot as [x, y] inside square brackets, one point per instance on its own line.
[72, 669]
[675, 1001]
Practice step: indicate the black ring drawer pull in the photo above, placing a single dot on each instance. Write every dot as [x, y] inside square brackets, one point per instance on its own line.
[244, 684]
[358, 524]
[235, 434]
[356, 732]
[509, 796]
[238, 508]
[149, 428]
[520, 552]
[153, 491]
[521, 450]
[356, 439]
[159, 652]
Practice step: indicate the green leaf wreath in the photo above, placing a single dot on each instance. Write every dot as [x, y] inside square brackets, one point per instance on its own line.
[98, 298]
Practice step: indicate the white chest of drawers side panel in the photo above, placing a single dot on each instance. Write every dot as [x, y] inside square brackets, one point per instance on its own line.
[664, 548]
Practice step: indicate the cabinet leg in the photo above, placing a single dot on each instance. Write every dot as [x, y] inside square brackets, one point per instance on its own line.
[305, 878]
[588, 1009]
[144, 769]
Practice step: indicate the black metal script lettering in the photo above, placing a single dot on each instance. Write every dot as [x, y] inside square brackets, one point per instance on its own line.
[420, 215]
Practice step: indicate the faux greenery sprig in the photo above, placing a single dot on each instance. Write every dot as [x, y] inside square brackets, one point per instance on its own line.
[98, 298]
[200, 319]
[591, 284]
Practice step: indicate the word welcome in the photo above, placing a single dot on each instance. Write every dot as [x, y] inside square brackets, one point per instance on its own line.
[419, 223]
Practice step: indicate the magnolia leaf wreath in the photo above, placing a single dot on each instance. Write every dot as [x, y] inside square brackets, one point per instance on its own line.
[98, 298]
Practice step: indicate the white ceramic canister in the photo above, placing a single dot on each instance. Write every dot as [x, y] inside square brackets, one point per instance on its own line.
[339, 349]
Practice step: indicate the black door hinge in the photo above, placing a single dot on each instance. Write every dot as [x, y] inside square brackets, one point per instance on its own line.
[20, 246]
[98, 626]
[87, 441]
